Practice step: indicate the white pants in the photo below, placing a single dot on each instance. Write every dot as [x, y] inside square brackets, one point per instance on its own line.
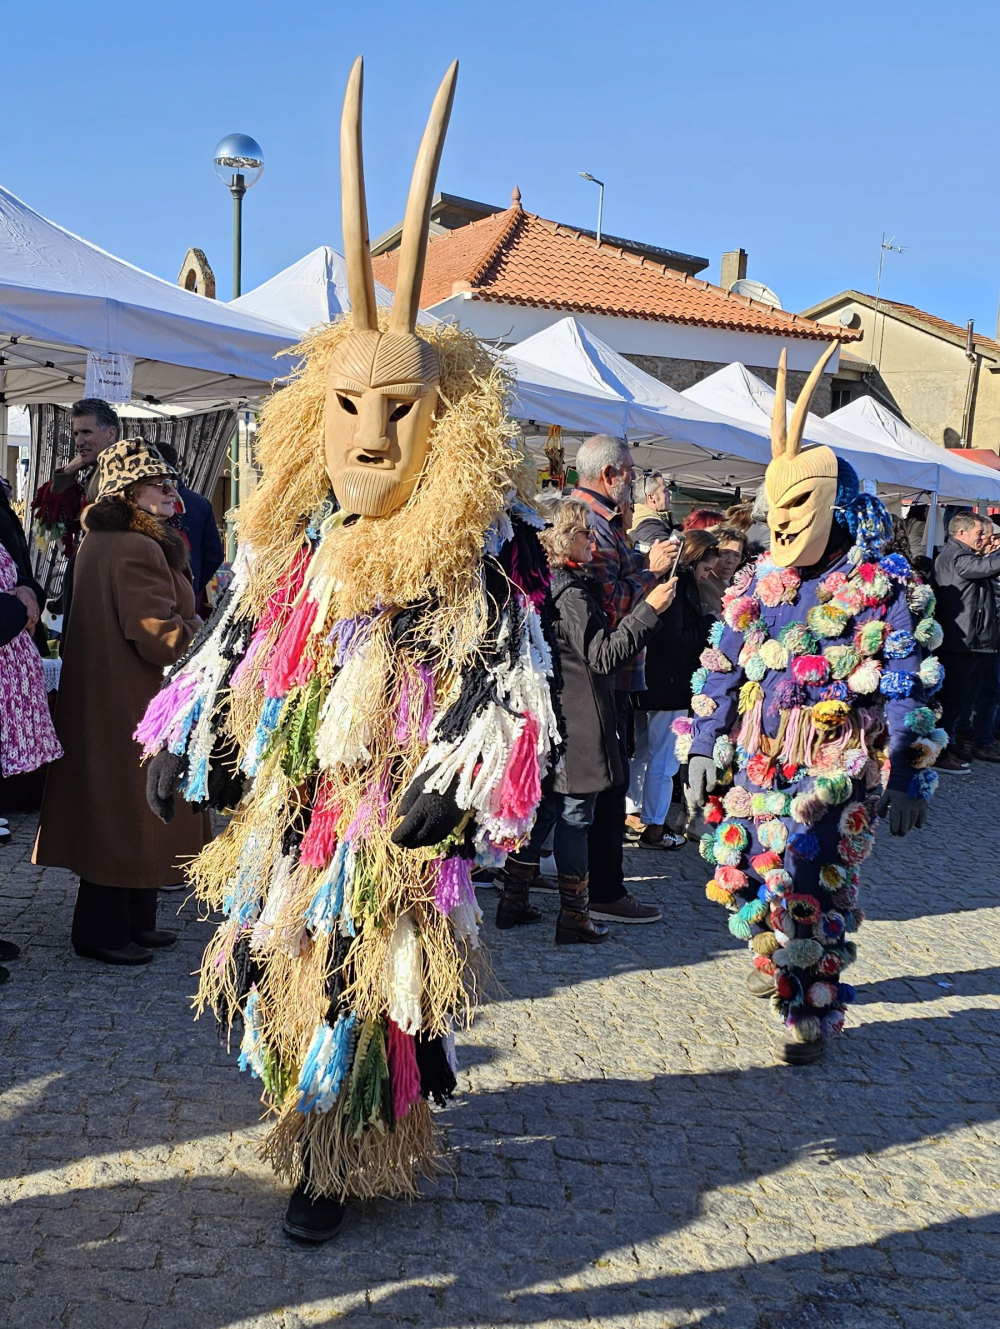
[654, 766]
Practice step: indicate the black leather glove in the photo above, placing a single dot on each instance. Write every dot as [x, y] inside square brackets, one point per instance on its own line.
[905, 814]
[163, 776]
[427, 819]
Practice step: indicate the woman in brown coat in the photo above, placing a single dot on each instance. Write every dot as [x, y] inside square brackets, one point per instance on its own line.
[132, 613]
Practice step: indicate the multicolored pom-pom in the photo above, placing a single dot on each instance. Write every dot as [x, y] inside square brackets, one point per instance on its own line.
[714, 659]
[698, 679]
[896, 566]
[843, 660]
[898, 645]
[723, 752]
[923, 785]
[833, 788]
[921, 720]
[774, 655]
[804, 845]
[828, 620]
[738, 802]
[797, 639]
[929, 634]
[896, 683]
[866, 679]
[741, 612]
[868, 637]
[931, 673]
[731, 840]
[810, 670]
[703, 705]
[773, 834]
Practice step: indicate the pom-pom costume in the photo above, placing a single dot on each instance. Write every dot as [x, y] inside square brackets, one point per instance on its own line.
[816, 699]
[379, 676]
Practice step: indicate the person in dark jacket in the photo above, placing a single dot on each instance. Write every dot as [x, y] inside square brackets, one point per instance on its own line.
[967, 612]
[590, 653]
[651, 520]
[199, 526]
[671, 659]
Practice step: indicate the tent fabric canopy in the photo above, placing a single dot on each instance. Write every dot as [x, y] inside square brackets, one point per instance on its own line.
[311, 292]
[738, 392]
[958, 476]
[61, 296]
[569, 377]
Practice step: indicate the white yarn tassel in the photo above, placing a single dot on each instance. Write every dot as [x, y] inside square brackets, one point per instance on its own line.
[404, 966]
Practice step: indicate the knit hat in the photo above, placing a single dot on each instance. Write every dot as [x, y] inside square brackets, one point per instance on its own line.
[127, 462]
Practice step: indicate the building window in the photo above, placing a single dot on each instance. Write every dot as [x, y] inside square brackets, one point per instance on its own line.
[840, 393]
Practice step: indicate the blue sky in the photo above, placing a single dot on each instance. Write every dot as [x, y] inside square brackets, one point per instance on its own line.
[799, 131]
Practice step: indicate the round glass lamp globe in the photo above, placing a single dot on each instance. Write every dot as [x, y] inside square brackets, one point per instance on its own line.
[238, 154]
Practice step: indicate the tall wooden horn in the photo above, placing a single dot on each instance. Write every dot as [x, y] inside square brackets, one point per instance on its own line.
[779, 415]
[798, 421]
[357, 254]
[413, 247]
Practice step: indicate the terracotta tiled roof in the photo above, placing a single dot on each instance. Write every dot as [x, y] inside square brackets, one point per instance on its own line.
[908, 313]
[942, 325]
[518, 258]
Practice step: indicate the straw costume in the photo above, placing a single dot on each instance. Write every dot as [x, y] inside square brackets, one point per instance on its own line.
[811, 711]
[379, 677]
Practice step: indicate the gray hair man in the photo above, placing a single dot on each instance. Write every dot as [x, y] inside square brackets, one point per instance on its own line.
[624, 577]
[651, 519]
[966, 575]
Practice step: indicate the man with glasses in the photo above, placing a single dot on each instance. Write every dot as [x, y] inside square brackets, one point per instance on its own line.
[606, 476]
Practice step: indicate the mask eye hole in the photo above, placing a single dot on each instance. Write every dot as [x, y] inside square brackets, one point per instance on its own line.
[402, 409]
[797, 502]
[346, 404]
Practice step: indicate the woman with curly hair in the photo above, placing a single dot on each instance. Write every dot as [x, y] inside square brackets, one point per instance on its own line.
[590, 656]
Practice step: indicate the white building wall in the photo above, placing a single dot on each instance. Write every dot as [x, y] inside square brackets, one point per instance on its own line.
[634, 336]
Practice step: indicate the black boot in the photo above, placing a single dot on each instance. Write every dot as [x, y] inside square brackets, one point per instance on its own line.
[514, 907]
[142, 922]
[795, 1053]
[312, 1219]
[574, 922]
[101, 926]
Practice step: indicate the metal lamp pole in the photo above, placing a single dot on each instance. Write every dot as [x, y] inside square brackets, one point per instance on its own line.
[239, 164]
[600, 199]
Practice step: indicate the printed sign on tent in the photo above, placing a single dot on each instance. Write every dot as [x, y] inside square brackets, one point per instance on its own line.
[109, 376]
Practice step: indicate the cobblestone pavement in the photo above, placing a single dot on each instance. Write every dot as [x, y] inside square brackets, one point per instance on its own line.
[626, 1151]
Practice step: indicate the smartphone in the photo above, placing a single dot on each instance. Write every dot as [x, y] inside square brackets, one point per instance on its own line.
[673, 570]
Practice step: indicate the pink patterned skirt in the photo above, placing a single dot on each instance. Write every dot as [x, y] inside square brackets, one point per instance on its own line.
[27, 736]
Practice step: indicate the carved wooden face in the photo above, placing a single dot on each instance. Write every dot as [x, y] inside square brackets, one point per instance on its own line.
[383, 387]
[380, 402]
[801, 491]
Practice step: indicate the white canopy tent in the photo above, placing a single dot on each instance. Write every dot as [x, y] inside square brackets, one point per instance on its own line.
[311, 292]
[959, 478]
[61, 296]
[740, 393]
[569, 377]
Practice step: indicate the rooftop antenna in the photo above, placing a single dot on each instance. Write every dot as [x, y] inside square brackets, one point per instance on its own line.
[888, 246]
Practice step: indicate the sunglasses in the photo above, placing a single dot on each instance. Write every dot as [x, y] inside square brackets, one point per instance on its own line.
[164, 486]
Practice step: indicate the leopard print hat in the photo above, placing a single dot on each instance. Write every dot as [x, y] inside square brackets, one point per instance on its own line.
[126, 463]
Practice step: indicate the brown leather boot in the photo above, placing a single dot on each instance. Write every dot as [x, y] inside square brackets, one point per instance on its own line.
[574, 922]
[513, 907]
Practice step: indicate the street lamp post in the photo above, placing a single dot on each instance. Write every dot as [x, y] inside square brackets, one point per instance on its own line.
[600, 200]
[239, 164]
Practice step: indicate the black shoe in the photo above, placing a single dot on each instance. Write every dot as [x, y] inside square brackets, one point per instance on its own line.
[8, 951]
[4, 974]
[760, 984]
[312, 1220]
[130, 954]
[800, 1054]
[156, 938]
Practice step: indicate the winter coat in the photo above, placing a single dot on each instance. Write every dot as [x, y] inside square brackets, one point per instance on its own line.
[199, 525]
[648, 525]
[966, 608]
[672, 654]
[591, 654]
[132, 614]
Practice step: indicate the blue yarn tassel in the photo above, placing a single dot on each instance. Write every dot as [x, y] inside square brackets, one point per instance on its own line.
[326, 1065]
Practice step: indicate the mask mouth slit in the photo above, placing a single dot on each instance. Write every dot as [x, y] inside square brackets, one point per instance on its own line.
[366, 459]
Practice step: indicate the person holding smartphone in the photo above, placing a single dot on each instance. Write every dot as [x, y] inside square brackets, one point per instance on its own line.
[591, 653]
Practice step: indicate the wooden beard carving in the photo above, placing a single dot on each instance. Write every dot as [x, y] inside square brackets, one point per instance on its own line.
[383, 386]
[801, 486]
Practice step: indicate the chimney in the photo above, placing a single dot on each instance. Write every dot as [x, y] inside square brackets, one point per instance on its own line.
[734, 267]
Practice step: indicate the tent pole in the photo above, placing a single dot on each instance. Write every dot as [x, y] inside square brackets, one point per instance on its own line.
[932, 518]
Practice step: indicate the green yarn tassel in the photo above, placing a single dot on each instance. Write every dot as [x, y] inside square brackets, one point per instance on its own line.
[297, 731]
[368, 1079]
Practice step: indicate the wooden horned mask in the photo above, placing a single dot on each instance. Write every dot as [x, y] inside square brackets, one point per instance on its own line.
[383, 386]
[801, 486]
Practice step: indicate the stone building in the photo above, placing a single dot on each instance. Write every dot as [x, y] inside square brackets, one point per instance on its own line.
[509, 274]
[941, 378]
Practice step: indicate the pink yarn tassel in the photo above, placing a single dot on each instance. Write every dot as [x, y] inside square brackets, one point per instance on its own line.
[285, 662]
[320, 840]
[286, 592]
[403, 712]
[152, 728]
[521, 790]
[255, 644]
[404, 1073]
[454, 883]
